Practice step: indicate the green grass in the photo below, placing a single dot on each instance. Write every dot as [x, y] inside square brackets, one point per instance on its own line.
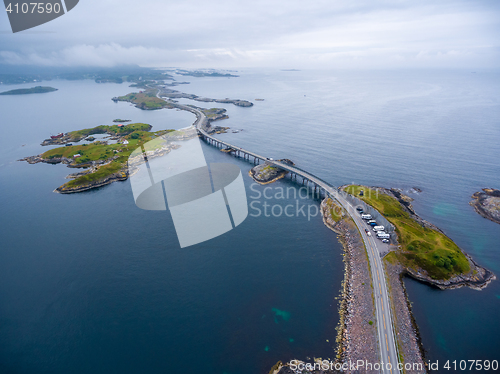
[25, 91]
[268, 168]
[105, 129]
[145, 100]
[422, 247]
[101, 173]
[214, 112]
[98, 151]
[336, 212]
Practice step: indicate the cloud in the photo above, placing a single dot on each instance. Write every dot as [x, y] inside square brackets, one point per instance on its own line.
[113, 54]
[222, 33]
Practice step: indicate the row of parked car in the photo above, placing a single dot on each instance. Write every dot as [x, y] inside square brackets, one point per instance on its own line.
[378, 229]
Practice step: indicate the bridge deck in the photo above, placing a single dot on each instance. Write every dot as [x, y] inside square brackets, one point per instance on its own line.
[327, 187]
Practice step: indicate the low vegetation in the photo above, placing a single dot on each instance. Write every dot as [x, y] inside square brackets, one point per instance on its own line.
[145, 100]
[33, 90]
[75, 136]
[114, 156]
[421, 247]
[336, 212]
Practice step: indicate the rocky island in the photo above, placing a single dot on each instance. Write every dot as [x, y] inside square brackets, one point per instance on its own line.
[266, 173]
[202, 73]
[103, 163]
[173, 94]
[146, 100]
[487, 203]
[26, 91]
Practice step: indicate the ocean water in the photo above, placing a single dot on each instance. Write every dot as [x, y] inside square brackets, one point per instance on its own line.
[89, 282]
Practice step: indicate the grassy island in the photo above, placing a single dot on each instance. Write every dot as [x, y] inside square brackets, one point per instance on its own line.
[103, 159]
[26, 91]
[145, 100]
[114, 130]
[421, 247]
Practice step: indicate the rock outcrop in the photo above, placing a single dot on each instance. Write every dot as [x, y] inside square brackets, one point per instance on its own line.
[266, 173]
[487, 203]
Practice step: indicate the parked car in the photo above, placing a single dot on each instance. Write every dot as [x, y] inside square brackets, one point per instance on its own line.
[385, 240]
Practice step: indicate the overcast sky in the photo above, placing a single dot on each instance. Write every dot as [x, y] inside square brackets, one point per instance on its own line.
[284, 34]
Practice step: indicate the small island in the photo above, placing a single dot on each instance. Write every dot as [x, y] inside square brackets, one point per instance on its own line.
[103, 163]
[487, 203]
[146, 100]
[266, 173]
[26, 91]
[173, 94]
[201, 73]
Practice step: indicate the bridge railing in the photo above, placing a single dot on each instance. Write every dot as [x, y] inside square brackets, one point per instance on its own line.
[307, 173]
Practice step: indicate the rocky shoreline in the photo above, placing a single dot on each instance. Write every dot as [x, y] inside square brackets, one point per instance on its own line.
[487, 203]
[174, 94]
[266, 173]
[72, 138]
[406, 329]
[357, 337]
[121, 175]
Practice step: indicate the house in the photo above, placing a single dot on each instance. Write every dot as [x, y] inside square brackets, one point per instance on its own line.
[125, 142]
[77, 155]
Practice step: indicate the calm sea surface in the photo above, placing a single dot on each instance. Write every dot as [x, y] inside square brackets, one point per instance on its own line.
[91, 283]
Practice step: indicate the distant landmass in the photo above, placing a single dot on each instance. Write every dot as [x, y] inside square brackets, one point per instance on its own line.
[26, 91]
[199, 73]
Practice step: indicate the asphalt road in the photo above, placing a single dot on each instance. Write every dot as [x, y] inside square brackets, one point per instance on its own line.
[388, 350]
